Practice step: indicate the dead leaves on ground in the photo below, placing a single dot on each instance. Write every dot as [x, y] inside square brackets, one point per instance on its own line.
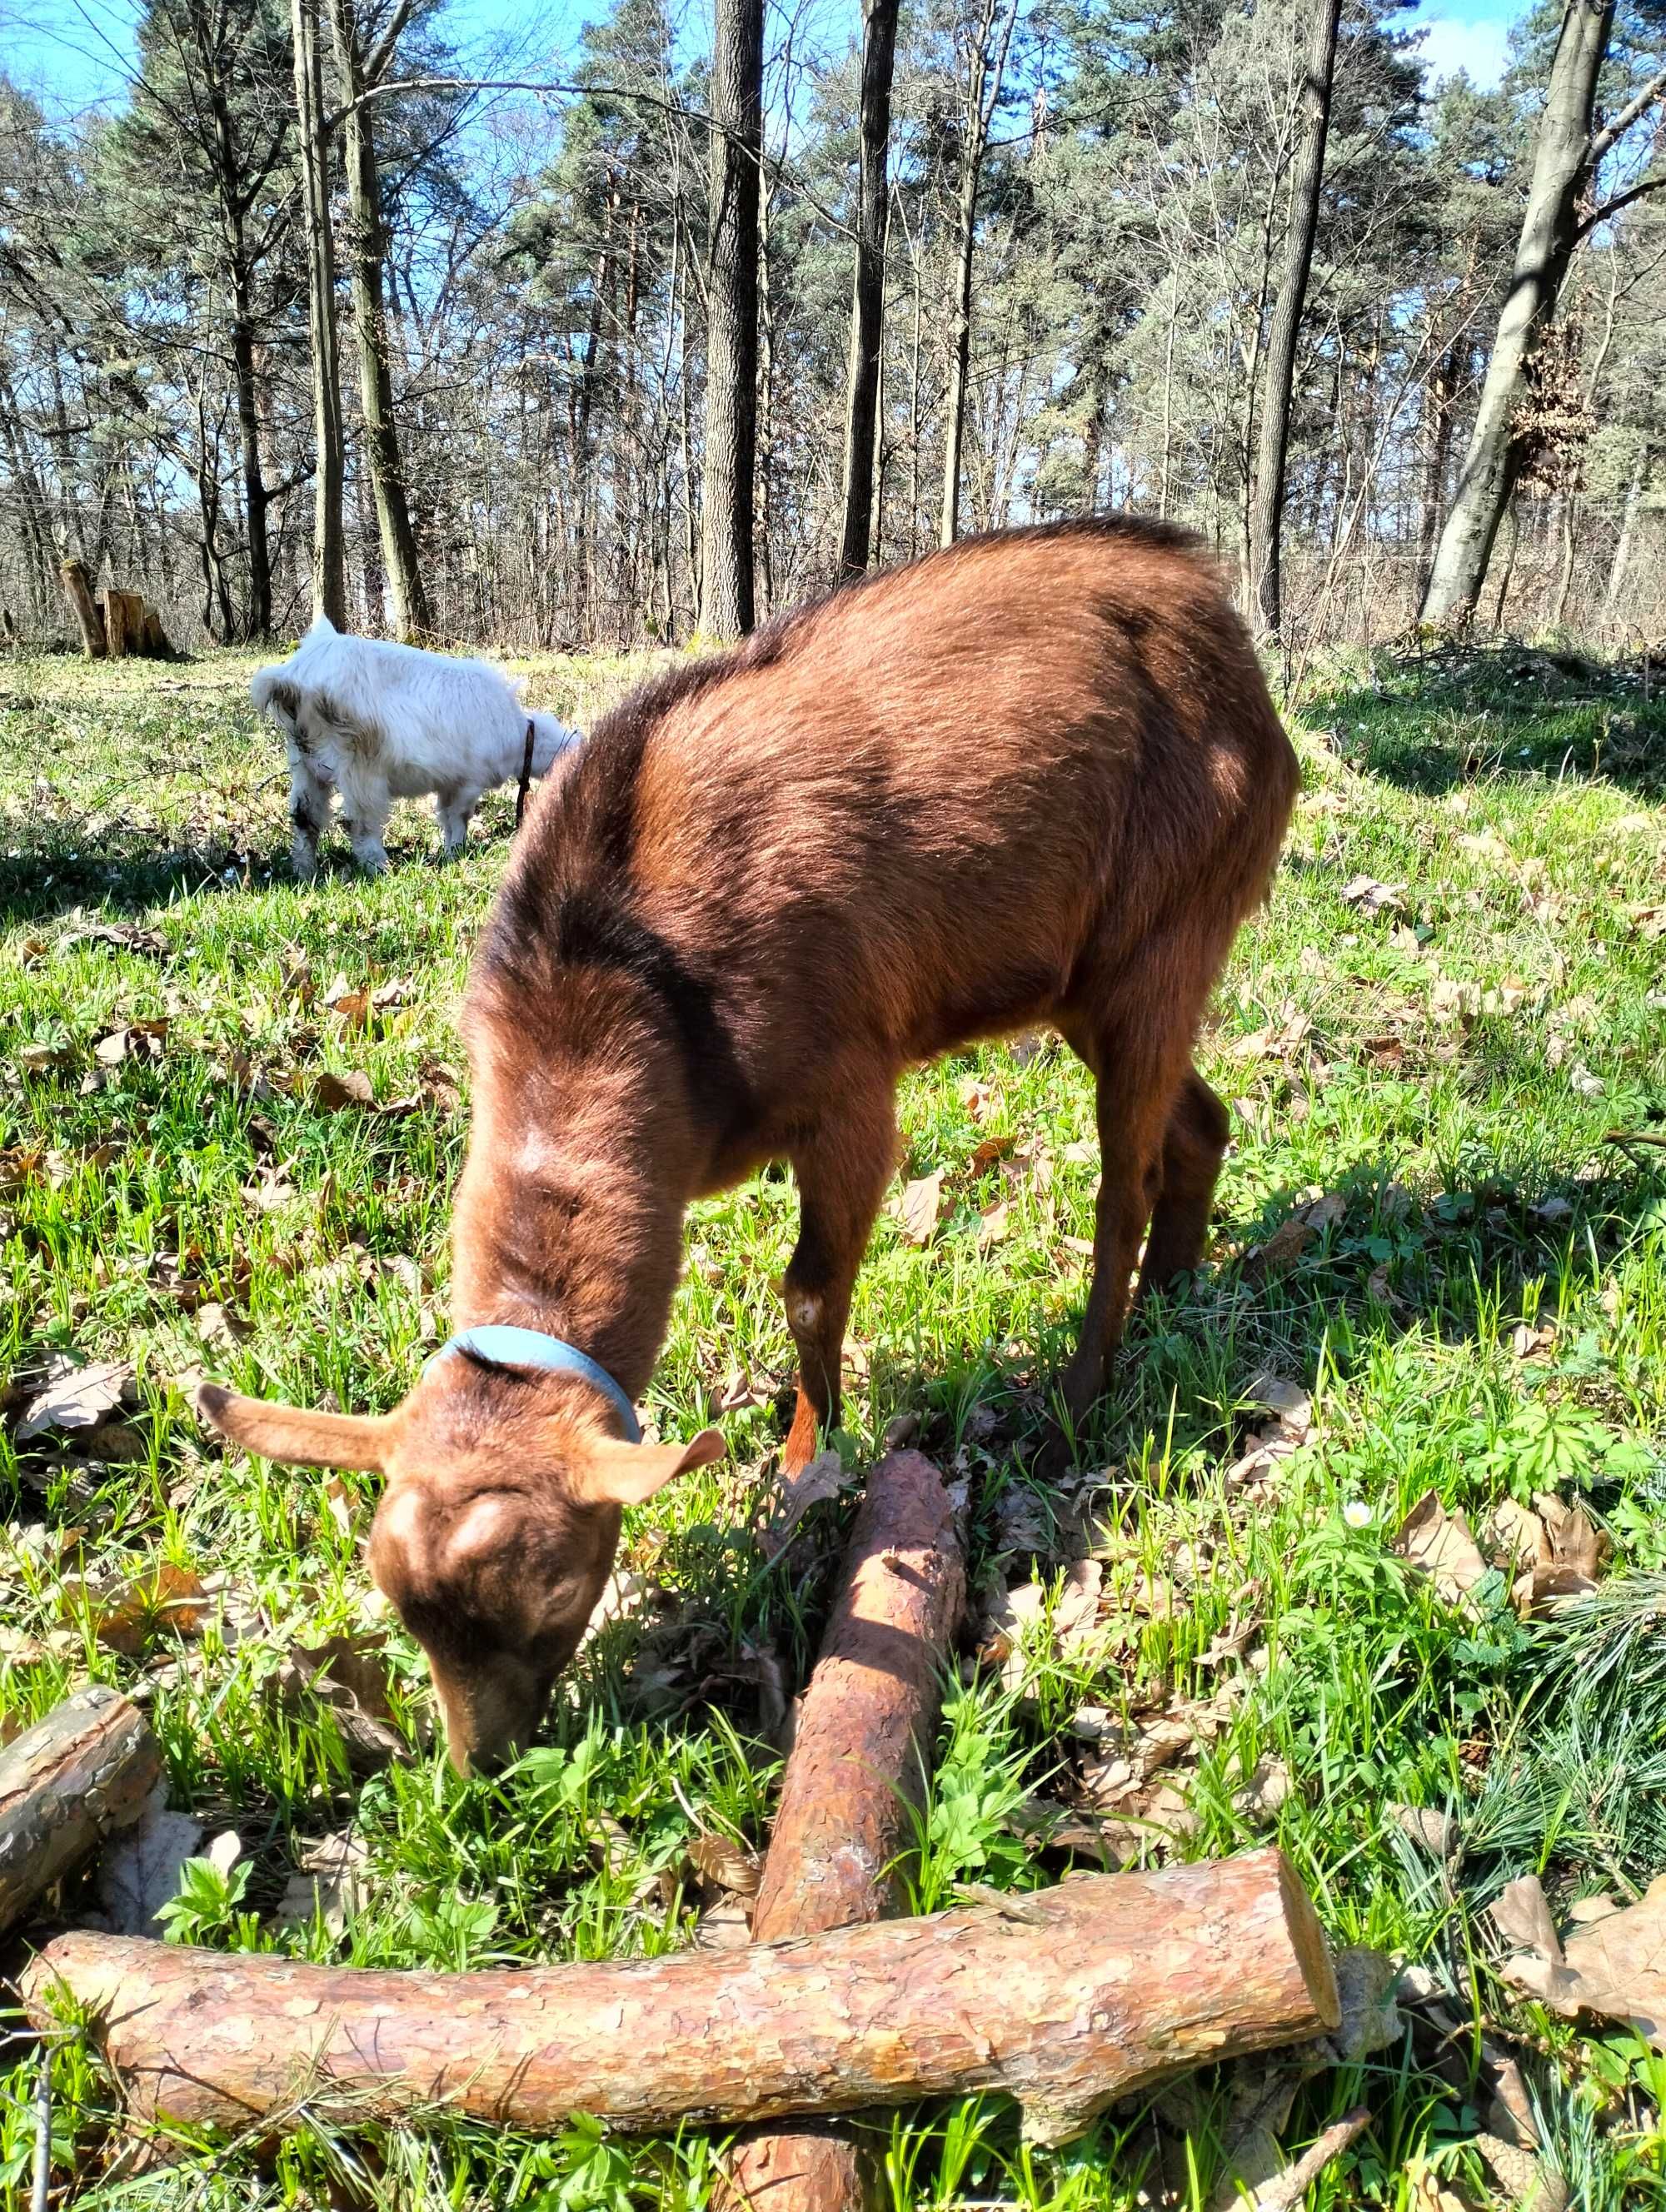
[1614, 1966]
[349, 1674]
[1551, 1552]
[77, 1396]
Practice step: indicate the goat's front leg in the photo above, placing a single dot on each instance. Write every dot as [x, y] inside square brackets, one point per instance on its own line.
[366, 804]
[309, 810]
[842, 1166]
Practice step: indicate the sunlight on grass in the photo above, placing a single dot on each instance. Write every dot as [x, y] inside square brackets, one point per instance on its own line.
[1423, 1223]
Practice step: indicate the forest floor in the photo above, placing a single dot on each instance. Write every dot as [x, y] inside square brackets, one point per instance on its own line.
[1436, 1286]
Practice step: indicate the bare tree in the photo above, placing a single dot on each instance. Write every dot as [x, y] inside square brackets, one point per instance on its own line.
[867, 305]
[1566, 155]
[360, 72]
[987, 49]
[1273, 445]
[737, 139]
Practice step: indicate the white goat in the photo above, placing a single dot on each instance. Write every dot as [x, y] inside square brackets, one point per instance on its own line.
[378, 722]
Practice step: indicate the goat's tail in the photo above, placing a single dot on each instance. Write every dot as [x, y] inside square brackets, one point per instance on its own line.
[551, 739]
[275, 694]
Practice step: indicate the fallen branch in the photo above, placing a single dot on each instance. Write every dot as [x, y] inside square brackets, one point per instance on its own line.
[1065, 1999]
[1283, 2191]
[65, 1784]
[857, 1773]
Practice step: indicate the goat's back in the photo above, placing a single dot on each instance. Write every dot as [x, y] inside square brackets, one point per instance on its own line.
[909, 816]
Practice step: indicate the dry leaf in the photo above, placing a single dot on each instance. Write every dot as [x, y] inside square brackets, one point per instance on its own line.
[1371, 896]
[127, 1612]
[1292, 1404]
[1438, 1833]
[138, 1873]
[333, 1093]
[75, 1397]
[994, 1225]
[1283, 1247]
[822, 1478]
[329, 1884]
[349, 1674]
[1438, 1544]
[1616, 1966]
[722, 1865]
[919, 1207]
[1266, 1790]
[1076, 1609]
[219, 1325]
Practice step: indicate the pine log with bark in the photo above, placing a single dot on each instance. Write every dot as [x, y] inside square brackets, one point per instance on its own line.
[65, 1784]
[857, 1773]
[1065, 1999]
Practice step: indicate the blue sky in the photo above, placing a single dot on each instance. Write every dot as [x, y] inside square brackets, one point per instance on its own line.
[73, 54]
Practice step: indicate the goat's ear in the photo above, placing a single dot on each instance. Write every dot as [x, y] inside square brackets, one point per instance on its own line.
[294, 1433]
[616, 1473]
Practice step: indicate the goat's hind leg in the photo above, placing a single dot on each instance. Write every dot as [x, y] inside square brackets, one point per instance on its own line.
[842, 1166]
[1194, 1145]
[1137, 1051]
[456, 808]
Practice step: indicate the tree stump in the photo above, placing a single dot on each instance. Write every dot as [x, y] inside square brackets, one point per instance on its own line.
[65, 1784]
[78, 590]
[858, 1769]
[1065, 1999]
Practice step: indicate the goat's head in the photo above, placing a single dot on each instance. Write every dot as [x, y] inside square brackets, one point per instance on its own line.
[497, 1528]
[551, 739]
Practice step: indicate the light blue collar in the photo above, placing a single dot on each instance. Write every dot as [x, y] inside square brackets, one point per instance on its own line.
[499, 1343]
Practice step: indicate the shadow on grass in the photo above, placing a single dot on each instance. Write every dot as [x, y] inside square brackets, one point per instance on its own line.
[1466, 714]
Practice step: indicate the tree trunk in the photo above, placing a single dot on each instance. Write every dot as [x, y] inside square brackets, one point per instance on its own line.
[78, 590]
[367, 252]
[1065, 1999]
[1622, 551]
[259, 622]
[984, 71]
[726, 592]
[857, 1773]
[1561, 167]
[867, 305]
[65, 1784]
[1273, 443]
[329, 534]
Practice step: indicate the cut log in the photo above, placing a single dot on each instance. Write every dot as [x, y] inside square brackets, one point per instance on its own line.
[78, 590]
[156, 646]
[1065, 1999]
[858, 1769]
[116, 609]
[65, 1784]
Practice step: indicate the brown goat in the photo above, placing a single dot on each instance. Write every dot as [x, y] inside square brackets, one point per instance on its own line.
[1035, 778]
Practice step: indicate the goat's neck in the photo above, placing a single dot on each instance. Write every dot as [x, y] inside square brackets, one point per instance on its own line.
[569, 1219]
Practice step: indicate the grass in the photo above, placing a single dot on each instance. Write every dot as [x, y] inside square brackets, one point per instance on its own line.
[1441, 1061]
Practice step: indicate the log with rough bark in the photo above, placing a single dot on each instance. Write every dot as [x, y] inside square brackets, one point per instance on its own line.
[1065, 1999]
[858, 1769]
[78, 590]
[66, 1785]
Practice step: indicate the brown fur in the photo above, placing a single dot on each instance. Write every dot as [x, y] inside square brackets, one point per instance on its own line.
[1036, 778]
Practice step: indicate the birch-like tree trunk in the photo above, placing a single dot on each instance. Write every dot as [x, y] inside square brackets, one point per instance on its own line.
[329, 535]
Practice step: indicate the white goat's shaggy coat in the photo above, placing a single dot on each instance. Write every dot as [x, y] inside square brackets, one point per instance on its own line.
[378, 722]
